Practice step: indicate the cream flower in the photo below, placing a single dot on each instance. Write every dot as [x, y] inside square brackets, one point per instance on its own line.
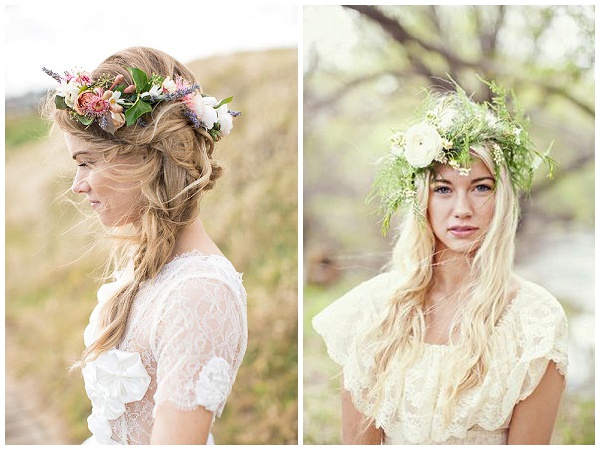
[225, 120]
[69, 90]
[423, 144]
[118, 119]
[397, 141]
[203, 108]
[169, 85]
[154, 91]
[518, 136]
[213, 383]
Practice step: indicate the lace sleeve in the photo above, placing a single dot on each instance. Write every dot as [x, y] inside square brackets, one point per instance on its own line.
[199, 343]
[341, 321]
[544, 338]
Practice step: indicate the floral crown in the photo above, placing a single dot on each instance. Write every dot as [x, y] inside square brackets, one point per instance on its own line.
[112, 103]
[450, 128]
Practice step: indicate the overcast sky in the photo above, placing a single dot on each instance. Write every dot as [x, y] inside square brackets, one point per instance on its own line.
[65, 35]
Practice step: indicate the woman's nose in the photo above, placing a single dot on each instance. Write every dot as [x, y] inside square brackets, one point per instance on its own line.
[80, 185]
[462, 207]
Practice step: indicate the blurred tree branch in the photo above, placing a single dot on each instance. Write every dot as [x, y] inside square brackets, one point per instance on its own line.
[485, 65]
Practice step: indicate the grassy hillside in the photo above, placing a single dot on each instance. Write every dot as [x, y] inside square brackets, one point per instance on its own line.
[52, 266]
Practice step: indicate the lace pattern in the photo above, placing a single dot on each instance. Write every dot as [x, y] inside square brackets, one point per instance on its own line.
[188, 329]
[532, 332]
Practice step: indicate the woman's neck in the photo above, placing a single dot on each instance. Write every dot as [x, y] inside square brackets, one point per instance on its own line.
[451, 271]
[194, 237]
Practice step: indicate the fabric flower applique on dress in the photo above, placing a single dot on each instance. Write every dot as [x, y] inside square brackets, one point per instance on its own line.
[213, 383]
[113, 379]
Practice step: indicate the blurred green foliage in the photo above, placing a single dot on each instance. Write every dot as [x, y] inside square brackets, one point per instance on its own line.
[54, 256]
[22, 129]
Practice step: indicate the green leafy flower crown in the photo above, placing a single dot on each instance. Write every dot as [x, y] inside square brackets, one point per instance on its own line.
[112, 103]
[450, 127]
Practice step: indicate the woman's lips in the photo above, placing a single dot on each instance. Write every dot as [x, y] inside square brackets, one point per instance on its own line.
[94, 204]
[462, 231]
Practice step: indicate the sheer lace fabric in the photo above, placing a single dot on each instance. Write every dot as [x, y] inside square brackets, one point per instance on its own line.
[532, 332]
[189, 328]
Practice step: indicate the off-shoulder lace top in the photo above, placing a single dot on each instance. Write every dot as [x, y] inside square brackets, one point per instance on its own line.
[531, 332]
[185, 339]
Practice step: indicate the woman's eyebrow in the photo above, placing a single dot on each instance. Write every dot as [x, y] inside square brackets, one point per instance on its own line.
[76, 154]
[477, 180]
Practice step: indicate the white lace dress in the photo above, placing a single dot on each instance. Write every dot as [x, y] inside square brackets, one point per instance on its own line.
[185, 340]
[531, 332]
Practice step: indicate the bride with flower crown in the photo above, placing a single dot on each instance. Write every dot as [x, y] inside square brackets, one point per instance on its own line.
[449, 346]
[169, 332]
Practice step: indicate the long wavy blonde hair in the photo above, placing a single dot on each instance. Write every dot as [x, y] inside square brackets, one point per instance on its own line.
[177, 169]
[401, 332]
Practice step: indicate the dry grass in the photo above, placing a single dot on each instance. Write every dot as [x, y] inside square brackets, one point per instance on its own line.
[252, 214]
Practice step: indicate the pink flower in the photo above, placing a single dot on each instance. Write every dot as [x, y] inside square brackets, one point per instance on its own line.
[89, 103]
[83, 101]
[84, 78]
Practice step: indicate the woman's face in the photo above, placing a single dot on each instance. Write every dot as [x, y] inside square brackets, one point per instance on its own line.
[460, 207]
[117, 203]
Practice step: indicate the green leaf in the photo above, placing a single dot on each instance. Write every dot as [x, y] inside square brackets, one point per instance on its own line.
[140, 79]
[85, 120]
[138, 109]
[223, 102]
[60, 103]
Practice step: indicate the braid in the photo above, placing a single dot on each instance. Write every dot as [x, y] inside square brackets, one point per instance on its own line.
[177, 169]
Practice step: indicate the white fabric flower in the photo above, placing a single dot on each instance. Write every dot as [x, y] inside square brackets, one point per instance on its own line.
[100, 428]
[102, 403]
[122, 375]
[113, 379]
[203, 108]
[213, 383]
[423, 144]
[225, 120]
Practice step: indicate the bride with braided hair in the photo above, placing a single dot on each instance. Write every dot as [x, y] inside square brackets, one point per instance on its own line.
[449, 346]
[169, 332]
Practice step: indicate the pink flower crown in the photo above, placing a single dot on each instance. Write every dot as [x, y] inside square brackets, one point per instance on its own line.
[112, 103]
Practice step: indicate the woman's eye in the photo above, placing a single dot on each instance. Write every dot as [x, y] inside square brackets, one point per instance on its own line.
[483, 188]
[442, 190]
[84, 164]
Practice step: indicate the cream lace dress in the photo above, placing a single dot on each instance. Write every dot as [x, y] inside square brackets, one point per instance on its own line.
[531, 332]
[185, 340]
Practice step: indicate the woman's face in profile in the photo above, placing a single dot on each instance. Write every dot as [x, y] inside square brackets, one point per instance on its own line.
[117, 203]
[460, 207]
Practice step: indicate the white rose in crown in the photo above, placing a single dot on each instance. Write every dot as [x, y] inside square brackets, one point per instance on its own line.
[204, 109]
[70, 91]
[422, 144]
[225, 120]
